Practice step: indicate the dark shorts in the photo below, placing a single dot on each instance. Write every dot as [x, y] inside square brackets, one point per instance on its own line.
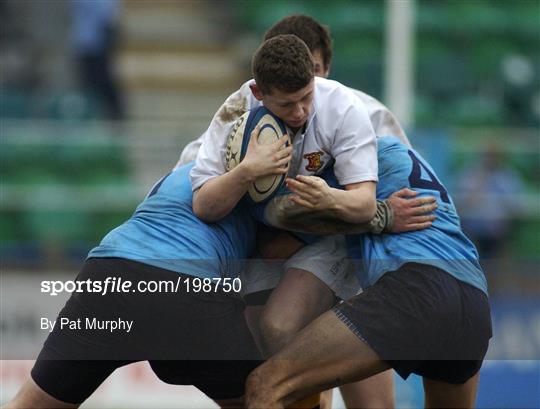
[257, 298]
[190, 338]
[422, 320]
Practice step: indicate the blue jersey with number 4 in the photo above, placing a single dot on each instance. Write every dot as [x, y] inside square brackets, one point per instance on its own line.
[164, 232]
[442, 245]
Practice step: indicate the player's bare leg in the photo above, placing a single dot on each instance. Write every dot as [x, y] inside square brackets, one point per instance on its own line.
[300, 297]
[324, 354]
[448, 395]
[376, 392]
[32, 396]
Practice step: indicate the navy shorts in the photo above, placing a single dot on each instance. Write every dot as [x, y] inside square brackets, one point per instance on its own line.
[189, 338]
[422, 320]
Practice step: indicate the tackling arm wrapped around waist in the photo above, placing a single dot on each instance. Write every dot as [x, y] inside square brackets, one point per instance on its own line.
[282, 213]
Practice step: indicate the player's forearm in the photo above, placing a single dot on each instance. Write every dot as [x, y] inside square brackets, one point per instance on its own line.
[218, 196]
[356, 204]
[284, 214]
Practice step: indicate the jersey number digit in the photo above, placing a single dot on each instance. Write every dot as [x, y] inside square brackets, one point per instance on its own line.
[433, 183]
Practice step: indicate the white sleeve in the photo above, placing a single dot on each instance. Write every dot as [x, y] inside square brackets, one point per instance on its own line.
[189, 153]
[211, 154]
[209, 162]
[382, 119]
[355, 147]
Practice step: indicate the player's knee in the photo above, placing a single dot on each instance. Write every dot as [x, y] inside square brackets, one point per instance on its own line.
[276, 331]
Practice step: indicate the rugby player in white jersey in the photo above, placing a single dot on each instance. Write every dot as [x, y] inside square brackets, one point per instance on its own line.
[317, 141]
[318, 39]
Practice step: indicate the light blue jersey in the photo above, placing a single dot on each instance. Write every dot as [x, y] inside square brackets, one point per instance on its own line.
[442, 245]
[164, 232]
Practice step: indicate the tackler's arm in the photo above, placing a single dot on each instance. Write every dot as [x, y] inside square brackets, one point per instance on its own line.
[284, 214]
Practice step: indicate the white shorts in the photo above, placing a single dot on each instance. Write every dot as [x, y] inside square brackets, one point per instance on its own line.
[326, 259]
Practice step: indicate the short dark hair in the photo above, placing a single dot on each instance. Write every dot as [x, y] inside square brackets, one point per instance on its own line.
[314, 34]
[282, 62]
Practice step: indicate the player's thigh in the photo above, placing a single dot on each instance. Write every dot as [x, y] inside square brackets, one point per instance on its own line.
[450, 395]
[304, 367]
[373, 392]
[299, 296]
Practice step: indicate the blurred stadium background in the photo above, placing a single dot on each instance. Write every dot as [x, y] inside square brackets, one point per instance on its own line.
[467, 87]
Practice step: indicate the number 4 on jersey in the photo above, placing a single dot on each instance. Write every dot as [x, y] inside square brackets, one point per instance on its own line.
[415, 178]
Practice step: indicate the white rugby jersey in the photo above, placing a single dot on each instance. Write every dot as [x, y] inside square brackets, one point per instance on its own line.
[339, 129]
[382, 120]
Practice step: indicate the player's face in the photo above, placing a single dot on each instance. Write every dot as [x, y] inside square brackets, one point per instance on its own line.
[293, 108]
[320, 69]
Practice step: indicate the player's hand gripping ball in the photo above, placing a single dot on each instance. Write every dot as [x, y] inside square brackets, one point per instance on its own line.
[271, 129]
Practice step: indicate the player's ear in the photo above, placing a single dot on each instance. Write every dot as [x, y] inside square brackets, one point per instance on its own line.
[326, 72]
[256, 91]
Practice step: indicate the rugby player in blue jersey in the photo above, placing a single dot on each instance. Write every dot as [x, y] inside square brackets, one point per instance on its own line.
[309, 282]
[424, 308]
[192, 335]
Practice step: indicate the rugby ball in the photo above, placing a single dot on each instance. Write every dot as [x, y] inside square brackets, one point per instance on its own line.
[271, 128]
